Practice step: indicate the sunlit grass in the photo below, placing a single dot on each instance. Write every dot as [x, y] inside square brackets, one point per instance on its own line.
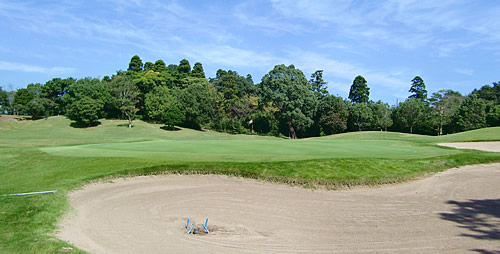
[51, 155]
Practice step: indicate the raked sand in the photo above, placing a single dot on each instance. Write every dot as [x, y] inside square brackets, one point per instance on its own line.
[457, 211]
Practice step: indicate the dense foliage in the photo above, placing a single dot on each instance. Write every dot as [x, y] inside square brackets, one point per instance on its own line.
[284, 103]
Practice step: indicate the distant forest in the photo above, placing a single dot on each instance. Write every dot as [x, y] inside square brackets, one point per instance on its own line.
[284, 103]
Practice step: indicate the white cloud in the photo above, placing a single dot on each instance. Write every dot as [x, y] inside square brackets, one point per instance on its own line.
[464, 71]
[340, 75]
[231, 56]
[11, 66]
[269, 23]
[310, 62]
[408, 24]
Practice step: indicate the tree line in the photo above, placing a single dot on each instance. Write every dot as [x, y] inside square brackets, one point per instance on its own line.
[284, 103]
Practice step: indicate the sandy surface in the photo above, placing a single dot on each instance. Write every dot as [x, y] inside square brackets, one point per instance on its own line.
[457, 211]
[485, 146]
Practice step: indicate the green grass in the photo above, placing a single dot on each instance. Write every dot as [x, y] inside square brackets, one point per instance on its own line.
[49, 154]
[252, 150]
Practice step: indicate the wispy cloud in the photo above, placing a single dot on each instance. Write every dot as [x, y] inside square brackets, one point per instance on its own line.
[464, 71]
[231, 56]
[408, 24]
[10, 66]
[270, 23]
[385, 41]
[311, 62]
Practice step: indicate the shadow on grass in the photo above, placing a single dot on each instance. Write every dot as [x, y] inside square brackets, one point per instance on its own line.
[480, 217]
[22, 118]
[170, 128]
[82, 125]
[124, 125]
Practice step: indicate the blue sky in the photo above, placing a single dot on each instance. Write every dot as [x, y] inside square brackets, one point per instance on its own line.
[450, 44]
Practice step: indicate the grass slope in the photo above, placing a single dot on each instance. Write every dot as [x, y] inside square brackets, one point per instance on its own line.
[49, 154]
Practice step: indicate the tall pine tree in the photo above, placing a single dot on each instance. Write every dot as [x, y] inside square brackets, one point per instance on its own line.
[360, 92]
[418, 89]
[318, 85]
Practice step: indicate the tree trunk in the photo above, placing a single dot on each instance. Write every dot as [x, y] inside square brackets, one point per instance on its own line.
[129, 120]
[291, 132]
[411, 129]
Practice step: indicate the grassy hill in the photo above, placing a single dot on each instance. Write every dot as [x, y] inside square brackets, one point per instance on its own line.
[50, 154]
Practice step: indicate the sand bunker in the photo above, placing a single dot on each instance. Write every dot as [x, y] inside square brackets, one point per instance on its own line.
[485, 146]
[451, 212]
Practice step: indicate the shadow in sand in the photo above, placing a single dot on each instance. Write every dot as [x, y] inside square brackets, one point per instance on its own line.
[486, 251]
[480, 217]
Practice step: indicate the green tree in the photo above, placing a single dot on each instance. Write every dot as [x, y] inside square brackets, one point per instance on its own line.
[360, 92]
[361, 116]
[198, 102]
[491, 96]
[198, 71]
[159, 66]
[158, 101]
[409, 113]
[232, 85]
[289, 91]
[381, 115]
[87, 87]
[172, 67]
[249, 79]
[235, 101]
[40, 107]
[21, 99]
[85, 111]
[418, 89]
[135, 64]
[471, 114]
[4, 101]
[147, 81]
[226, 83]
[444, 104]
[489, 93]
[184, 66]
[318, 85]
[493, 115]
[332, 114]
[125, 95]
[173, 115]
[55, 89]
[91, 90]
[148, 66]
[31, 100]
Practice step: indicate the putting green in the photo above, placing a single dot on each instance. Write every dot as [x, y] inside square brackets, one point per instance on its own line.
[253, 150]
